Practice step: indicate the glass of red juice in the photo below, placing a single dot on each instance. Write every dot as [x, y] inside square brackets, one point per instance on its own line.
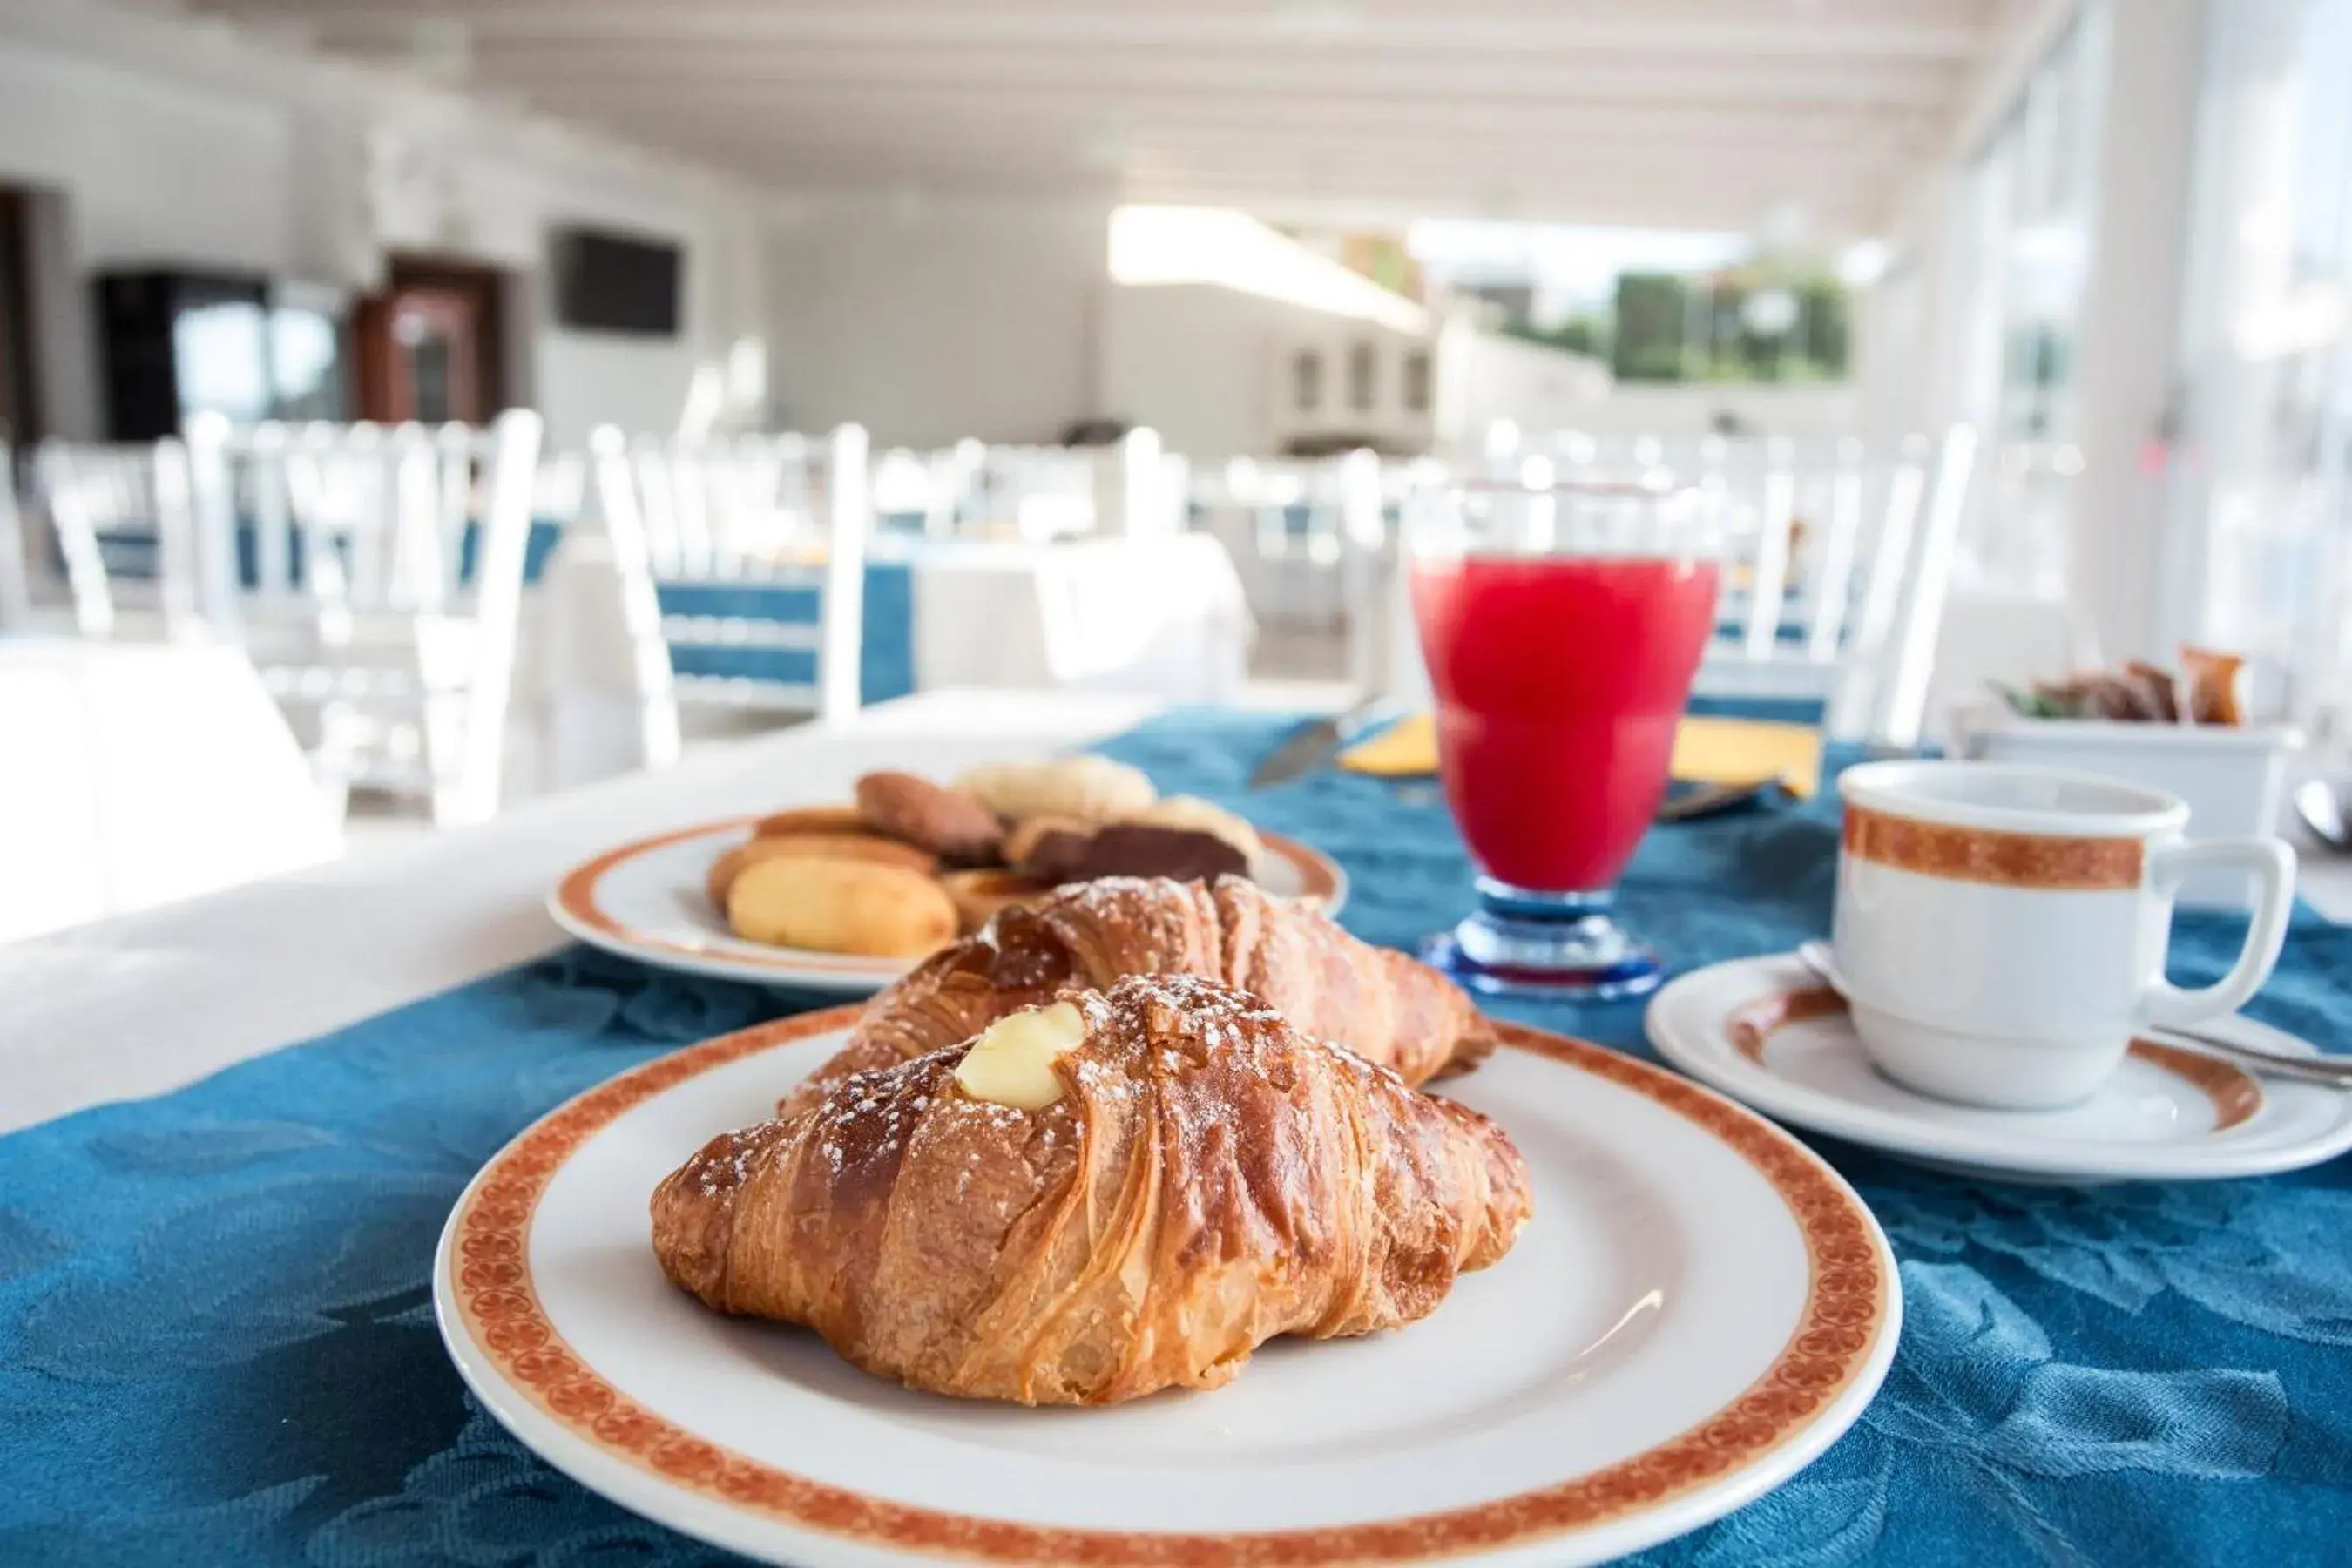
[1562, 626]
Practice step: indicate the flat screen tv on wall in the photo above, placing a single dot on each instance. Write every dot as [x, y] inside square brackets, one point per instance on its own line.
[616, 283]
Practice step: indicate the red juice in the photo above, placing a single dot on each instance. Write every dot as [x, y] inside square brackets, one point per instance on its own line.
[1560, 683]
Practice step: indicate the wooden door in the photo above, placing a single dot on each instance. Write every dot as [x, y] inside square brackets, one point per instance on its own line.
[428, 346]
[17, 425]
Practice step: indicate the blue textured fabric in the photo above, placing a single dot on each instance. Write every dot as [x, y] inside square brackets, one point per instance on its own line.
[216, 1345]
[886, 658]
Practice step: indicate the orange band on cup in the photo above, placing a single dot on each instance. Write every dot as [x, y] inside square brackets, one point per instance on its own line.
[1958, 853]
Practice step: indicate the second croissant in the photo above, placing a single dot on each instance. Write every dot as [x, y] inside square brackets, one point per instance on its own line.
[1387, 1007]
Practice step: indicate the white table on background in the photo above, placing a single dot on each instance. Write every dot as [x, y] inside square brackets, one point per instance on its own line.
[141, 1004]
[132, 775]
[1163, 617]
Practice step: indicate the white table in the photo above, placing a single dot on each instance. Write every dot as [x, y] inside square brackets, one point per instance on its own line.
[1162, 617]
[143, 1003]
[132, 775]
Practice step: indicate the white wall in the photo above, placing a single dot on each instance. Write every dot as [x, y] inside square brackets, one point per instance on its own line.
[178, 142]
[1188, 360]
[1206, 366]
[931, 320]
[1484, 378]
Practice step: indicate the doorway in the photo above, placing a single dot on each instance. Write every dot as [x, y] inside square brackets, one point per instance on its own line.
[430, 345]
[19, 424]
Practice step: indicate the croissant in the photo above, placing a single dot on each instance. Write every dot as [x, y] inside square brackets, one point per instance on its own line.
[1195, 1178]
[1384, 1006]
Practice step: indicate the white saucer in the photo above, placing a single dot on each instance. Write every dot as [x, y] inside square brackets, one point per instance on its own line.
[1767, 1031]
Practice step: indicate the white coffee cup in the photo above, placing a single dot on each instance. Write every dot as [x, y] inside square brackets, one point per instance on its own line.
[2001, 930]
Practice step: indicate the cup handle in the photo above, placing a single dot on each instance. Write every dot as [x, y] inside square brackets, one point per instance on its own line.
[2274, 863]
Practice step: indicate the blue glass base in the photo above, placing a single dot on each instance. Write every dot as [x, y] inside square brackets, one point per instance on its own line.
[1560, 946]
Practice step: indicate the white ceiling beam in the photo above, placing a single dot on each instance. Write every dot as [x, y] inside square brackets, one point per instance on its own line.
[1721, 28]
[760, 113]
[1244, 145]
[1391, 203]
[1212, 77]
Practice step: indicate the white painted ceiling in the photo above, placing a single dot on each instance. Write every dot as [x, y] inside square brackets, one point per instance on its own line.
[1710, 112]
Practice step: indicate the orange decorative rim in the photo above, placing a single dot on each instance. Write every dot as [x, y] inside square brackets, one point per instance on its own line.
[2236, 1095]
[2000, 860]
[1319, 877]
[1847, 1304]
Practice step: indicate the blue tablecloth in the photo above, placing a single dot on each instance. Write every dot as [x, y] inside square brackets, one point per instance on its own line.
[216, 1345]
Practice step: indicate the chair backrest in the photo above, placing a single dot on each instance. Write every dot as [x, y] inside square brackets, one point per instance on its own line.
[1299, 531]
[1038, 493]
[136, 500]
[333, 522]
[350, 519]
[1140, 487]
[1837, 561]
[725, 507]
[799, 516]
[509, 457]
[1838, 558]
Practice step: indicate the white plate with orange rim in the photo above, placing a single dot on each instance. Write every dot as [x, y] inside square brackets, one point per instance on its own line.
[1768, 1032]
[647, 900]
[1698, 1308]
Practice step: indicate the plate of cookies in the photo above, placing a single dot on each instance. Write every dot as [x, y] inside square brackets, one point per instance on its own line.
[846, 898]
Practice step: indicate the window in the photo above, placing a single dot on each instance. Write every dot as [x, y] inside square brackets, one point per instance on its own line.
[1307, 381]
[1363, 377]
[2031, 207]
[1416, 382]
[2261, 534]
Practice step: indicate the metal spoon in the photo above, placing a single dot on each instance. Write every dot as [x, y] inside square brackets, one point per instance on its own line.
[2332, 1072]
[2316, 803]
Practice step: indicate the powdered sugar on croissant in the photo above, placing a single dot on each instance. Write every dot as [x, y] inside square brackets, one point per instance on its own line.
[1379, 1002]
[1208, 1178]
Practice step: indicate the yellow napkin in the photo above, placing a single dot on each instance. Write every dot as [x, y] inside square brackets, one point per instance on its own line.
[1706, 751]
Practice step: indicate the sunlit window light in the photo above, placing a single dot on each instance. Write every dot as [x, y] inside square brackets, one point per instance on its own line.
[1155, 244]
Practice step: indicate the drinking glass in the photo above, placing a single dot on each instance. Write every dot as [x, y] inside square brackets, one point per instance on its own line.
[1562, 624]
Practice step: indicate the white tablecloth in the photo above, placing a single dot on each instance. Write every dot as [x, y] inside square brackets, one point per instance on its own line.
[132, 775]
[1162, 618]
[141, 1004]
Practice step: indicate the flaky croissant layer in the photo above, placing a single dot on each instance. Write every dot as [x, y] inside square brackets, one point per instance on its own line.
[1209, 1179]
[1390, 1008]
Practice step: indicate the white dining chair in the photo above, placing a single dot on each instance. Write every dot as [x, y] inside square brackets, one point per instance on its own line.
[1035, 493]
[385, 597]
[1837, 564]
[1139, 488]
[796, 521]
[132, 502]
[1286, 523]
[724, 508]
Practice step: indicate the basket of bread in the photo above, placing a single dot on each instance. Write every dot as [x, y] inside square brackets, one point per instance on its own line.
[2188, 731]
